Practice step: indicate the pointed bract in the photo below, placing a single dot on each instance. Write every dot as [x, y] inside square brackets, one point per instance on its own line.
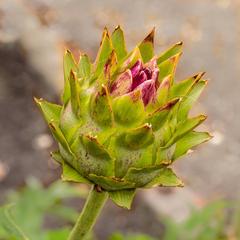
[51, 111]
[101, 109]
[124, 119]
[147, 47]
[103, 53]
[118, 42]
[172, 51]
[84, 66]
[69, 65]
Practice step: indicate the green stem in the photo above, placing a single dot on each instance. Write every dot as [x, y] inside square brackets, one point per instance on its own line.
[92, 208]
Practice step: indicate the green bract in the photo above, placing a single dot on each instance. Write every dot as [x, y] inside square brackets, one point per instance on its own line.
[123, 119]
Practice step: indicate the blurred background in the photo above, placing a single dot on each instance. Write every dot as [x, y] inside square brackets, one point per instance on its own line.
[33, 37]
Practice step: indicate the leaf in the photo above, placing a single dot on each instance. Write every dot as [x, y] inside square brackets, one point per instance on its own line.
[58, 234]
[120, 236]
[168, 67]
[101, 110]
[103, 53]
[58, 135]
[137, 138]
[129, 60]
[57, 156]
[165, 178]
[183, 87]
[110, 183]
[190, 99]
[164, 155]
[163, 91]
[69, 65]
[84, 66]
[74, 88]
[70, 174]
[128, 109]
[144, 158]
[50, 111]
[189, 141]
[94, 148]
[96, 159]
[124, 158]
[172, 51]
[69, 123]
[9, 225]
[62, 190]
[142, 176]
[118, 43]
[185, 127]
[64, 212]
[123, 198]
[159, 116]
[109, 68]
[146, 47]
[33, 202]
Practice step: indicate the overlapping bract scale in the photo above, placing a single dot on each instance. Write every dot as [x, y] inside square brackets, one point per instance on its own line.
[124, 119]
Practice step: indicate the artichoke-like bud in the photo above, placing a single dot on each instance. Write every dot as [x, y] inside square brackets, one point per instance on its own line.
[123, 119]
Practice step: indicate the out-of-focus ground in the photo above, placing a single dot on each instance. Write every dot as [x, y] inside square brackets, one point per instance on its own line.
[33, 35]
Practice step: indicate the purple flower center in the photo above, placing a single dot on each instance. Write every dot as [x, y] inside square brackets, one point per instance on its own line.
[139, 76]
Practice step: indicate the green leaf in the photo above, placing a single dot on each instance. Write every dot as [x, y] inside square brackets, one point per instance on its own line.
[189, 141]
[118, 43]
[103, 53]
[164, 155]
[168, 67]
[9, 225]
[128, 109]
[165, 178]
[69, 65]
[181, 88]
[119, 236]
[74, 88]
[137, 138]
[60, 190]
[101, 110]
[144, 157]
[190, 99]
[84, 66]
[172, 51]
[159, 116]
[57, 234]
[58, 135]
[33, 202]
[146, 47]
[163, 91]
[57, 156]
[66, 213]
[109, 69]
[69, 123]
[123, 198]
[96, 159]
[70, 174]
[51, 111]
[125, 158]
[185, 127]
[129, 60]
[142, 176]
[110, 183]
[94, 148]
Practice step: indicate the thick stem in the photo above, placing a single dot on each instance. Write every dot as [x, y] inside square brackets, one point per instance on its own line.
[92, 208]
